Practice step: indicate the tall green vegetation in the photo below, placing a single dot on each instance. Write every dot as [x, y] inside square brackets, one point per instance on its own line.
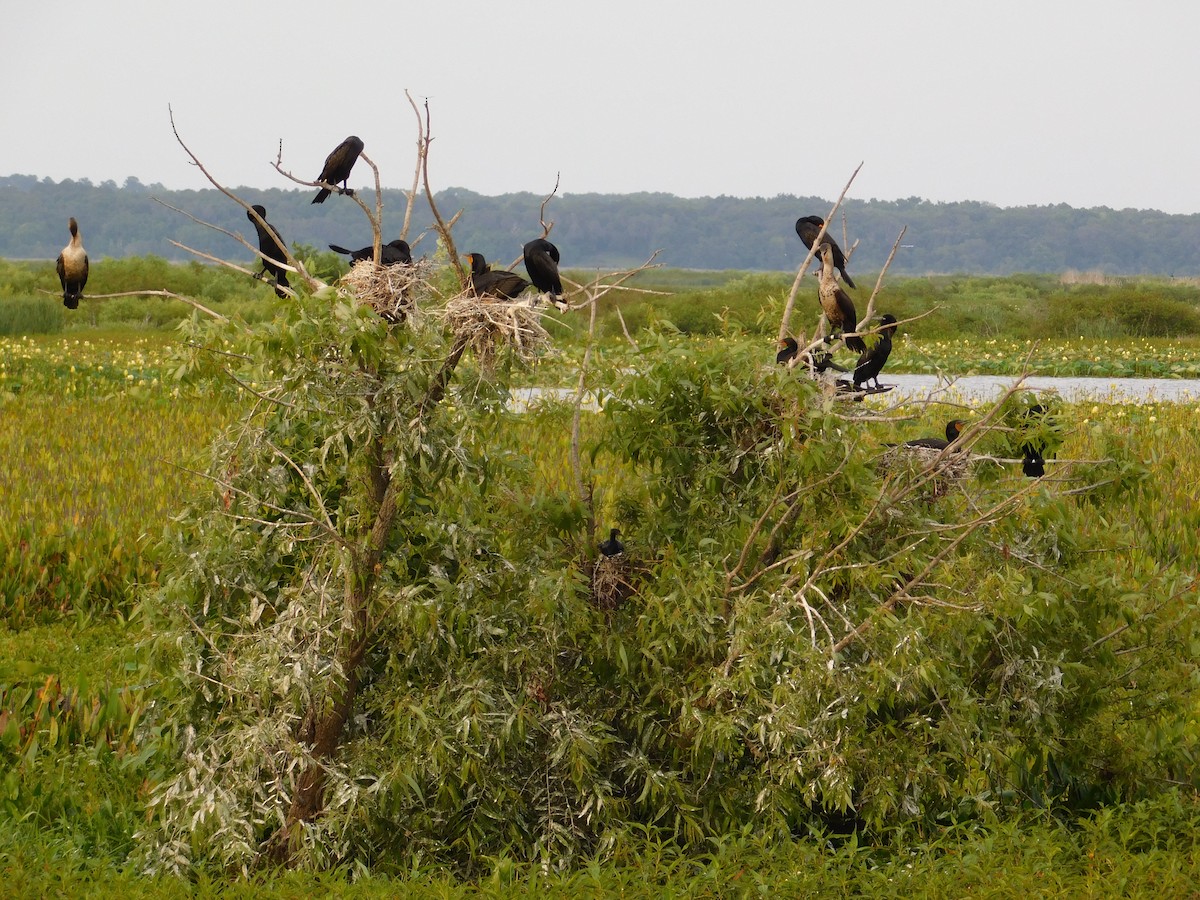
[380, 657]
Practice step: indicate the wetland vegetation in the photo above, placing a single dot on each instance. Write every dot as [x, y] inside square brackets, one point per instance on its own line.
[1027, 706]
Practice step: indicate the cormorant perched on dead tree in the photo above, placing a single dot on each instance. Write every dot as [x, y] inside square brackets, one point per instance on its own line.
[870, 364]
[836, 303]
[953, 429]
[393, 253]
[337, 167]
[72, 266]
[612, 547]
[271, 248]
[541, 262]
[808, 228]
[486, 283]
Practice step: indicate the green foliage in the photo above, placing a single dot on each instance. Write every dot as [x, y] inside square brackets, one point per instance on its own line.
[818, 641]
[506, 726]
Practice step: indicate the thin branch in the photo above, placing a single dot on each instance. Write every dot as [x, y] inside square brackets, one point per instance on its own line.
[188, 300]
[313, 283]
[442, 227]
[625, 330]
[234, 266]
[416, 181]
[542, 209]
[879, 281]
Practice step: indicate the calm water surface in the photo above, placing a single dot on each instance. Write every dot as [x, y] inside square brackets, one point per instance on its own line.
[976, 389]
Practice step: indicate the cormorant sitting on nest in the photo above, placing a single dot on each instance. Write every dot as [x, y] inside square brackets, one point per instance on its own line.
[612, 547]
[953, 429]
[788, 352]
[268, 247]
[486, 283]
[1033, 450]
[808, 228]
[541, 262]
[337, 167]
[72, 267]
[393, 253]
[836, 303]
[870, 364]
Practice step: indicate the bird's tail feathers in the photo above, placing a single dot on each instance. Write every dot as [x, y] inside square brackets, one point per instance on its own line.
[846, 278]
[335, 248]
[322, 194]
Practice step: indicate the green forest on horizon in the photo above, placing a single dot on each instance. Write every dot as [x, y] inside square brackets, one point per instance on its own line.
[617, 229]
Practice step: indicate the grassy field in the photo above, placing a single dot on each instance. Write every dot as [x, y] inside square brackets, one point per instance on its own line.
[99, 434]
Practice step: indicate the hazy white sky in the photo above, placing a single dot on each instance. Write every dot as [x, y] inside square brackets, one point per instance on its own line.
[1085, 102]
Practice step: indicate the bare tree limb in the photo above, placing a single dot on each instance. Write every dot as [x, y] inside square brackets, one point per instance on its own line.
[313, 283]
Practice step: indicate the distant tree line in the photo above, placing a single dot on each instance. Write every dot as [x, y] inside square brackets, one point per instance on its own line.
[752, 233]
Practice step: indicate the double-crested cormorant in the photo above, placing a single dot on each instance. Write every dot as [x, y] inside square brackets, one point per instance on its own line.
[72, 267]
[1034, 464]
[836, 303]
[612, 547]
[338, 165]
[271, 249]
[541, 262]
[788, 351]
[1033, 451]
[486, 283]
[808, 228]
[393, 253]
[870, 364]
[953, 429]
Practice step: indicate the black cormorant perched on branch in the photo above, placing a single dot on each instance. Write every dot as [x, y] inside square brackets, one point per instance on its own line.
[541, 262]
[271, 249]
[72, 266]
[393, 253]
[1033, 450]
[953, 429]
[836, 303]
[788, 350]
[486, 283]
[337, 167]
[808, 228]
[870, 364]
[612, 547]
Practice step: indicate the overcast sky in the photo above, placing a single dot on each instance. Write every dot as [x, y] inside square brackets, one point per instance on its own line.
[1085, 102]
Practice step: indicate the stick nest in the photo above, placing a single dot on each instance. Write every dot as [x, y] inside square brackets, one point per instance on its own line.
[489, 324]
[611, 581]
[392, 291]
[951, 471]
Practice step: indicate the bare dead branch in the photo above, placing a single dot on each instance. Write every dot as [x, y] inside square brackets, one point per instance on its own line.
[542, 209]
[188, 300]
[313, 283]
[443, 229]
[870, 311]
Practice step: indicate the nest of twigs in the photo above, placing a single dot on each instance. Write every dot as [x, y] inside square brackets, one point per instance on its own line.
[951, 470]
[488, 324]
[392, 291]
[611, 581]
